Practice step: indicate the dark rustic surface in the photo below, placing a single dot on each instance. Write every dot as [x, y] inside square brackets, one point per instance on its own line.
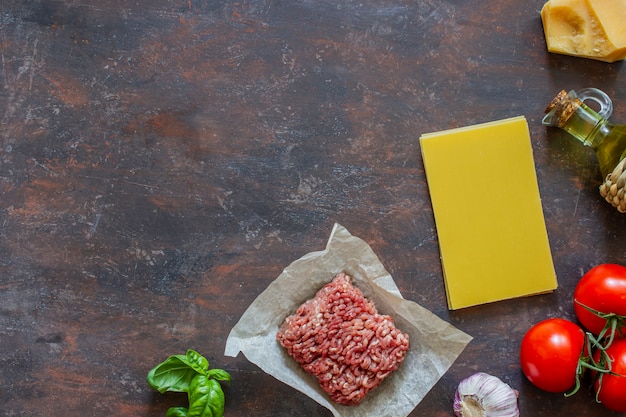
[162, 161]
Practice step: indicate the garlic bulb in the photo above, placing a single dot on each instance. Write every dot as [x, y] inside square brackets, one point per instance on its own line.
[484, 395]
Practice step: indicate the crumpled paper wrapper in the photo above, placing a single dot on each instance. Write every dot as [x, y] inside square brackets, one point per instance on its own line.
[434, 343]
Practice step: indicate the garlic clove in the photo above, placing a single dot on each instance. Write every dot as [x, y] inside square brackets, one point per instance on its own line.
[484, 395]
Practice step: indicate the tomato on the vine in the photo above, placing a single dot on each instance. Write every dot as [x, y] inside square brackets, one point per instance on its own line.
[603, 289]
[611, 387]
[550, 352]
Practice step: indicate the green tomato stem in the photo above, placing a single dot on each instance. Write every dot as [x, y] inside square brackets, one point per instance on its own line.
[614, 324]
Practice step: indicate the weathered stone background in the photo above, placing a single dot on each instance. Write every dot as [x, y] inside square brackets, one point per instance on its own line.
[161, 161]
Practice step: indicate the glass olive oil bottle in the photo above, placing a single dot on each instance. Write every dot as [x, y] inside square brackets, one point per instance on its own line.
[569, 112]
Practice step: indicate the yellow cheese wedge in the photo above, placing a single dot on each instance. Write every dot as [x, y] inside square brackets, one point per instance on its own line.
[593, 29]
[488, 214]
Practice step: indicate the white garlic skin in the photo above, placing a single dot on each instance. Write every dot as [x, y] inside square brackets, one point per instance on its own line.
[484, 395]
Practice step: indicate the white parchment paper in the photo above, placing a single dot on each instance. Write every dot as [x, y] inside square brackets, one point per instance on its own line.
[434, 343]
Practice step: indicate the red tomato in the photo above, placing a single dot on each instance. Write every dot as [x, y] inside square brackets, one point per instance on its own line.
[550, 352]
[611, 389]
[602, 288]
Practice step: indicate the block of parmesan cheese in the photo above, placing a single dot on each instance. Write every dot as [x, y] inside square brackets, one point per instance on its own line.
[488, 213]
[594, 29]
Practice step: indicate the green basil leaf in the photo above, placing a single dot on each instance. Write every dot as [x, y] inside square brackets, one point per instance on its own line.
[177, 412]
[174, 374]
[196, 361]
[206, 398]
[219, 374]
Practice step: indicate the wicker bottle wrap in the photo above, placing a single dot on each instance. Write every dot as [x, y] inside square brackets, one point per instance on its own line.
[614, 188]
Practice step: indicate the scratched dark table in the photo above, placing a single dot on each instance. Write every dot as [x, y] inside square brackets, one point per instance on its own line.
[162, 161]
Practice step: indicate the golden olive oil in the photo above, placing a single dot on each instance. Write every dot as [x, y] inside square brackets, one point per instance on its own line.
[568, 112]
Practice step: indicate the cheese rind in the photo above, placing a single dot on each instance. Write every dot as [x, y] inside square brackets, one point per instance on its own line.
[594, 29]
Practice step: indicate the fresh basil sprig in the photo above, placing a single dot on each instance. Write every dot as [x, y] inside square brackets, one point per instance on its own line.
[190, 373]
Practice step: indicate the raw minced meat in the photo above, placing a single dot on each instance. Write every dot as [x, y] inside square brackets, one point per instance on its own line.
[340, 338]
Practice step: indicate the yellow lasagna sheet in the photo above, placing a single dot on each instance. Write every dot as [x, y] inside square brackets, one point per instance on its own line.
[488, 213]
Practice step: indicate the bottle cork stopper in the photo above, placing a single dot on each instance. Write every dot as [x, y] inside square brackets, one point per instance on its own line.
[564, 106]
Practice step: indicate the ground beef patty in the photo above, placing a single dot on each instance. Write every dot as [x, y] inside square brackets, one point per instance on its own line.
[339, 337]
